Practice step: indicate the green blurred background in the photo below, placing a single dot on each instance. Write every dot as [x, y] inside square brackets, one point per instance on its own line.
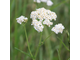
[48, 51]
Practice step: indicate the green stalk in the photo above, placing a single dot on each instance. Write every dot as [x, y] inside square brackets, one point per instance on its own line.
[68, 58]
[63, 43]
[38, 45]
[27, 41]
[46, 39]
[15, 32]
[58, 54]
[48, 46]
[60, 44]
[24, 7]
[58, 4]
[41, 54]
[23, 52]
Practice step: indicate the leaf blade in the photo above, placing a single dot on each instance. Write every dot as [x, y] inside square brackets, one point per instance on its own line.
[59, 4]
[23, 52]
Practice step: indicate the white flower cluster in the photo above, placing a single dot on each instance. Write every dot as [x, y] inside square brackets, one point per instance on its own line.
[38, 25]
[58, 28]
[21, 19]
[42, 16]
[48, 2]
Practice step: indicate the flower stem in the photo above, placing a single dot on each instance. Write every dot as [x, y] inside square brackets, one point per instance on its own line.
[38, 45]
[41, 43]
[63, 43]
[58, 54]
[45, 39]
[27, 41]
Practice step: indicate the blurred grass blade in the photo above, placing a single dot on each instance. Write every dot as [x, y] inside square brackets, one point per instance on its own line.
[15, 30]
[60, 46]
[22, 52]
[48, 46]
[69, 59]
[46, 39]
[58, 54]
[63, 44]
[20, 7]
[12, 6]
[58, 4]
[41, 54]
[24, 7]
[68, 35]
[38, 45]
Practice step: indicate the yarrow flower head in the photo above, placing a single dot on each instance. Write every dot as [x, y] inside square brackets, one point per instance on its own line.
[37, 25]
[43, 16]
[48, 2]
[58, 28]
[22, 19]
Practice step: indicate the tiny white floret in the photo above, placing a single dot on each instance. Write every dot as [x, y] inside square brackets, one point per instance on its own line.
[47, 22]
[37, 25]
[48, 2]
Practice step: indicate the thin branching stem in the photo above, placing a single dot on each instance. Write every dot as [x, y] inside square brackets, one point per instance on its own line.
[38, 45]
[45, 39]
[63, 44]
[27, 41]
[58, 54]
